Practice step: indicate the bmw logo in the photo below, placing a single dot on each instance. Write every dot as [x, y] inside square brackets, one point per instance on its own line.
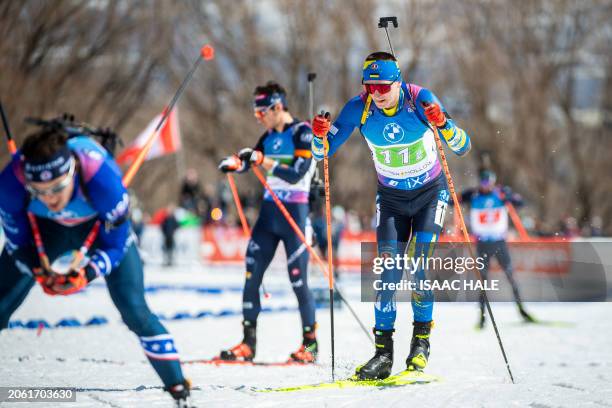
[393, 133]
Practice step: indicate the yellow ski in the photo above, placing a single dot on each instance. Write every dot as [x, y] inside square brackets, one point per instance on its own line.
[406, 377]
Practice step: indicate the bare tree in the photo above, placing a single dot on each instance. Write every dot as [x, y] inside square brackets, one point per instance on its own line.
[511, 73]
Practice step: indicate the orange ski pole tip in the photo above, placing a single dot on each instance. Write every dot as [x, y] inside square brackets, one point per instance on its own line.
[208, 52]
[12, 146]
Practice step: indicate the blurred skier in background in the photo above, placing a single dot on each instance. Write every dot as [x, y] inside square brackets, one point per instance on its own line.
[489, 223]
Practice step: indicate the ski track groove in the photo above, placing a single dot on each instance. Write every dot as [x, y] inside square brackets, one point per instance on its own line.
[103, 401]
[569, 386]
[539, 405]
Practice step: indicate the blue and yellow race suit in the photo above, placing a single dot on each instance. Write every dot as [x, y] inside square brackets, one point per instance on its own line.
[412, 190]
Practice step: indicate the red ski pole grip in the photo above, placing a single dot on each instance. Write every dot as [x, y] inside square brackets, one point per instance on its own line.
[207, 52]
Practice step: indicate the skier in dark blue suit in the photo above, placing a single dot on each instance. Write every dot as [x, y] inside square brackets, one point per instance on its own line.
[55, 189]
[284, 152]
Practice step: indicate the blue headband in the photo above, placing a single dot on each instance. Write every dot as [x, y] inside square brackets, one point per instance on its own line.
[54, 167]
[268, 100]
[381, 70]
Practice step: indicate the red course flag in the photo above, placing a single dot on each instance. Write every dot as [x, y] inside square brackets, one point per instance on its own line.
[167, 142]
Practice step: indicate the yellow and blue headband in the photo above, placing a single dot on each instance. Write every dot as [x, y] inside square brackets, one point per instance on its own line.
[381, 70]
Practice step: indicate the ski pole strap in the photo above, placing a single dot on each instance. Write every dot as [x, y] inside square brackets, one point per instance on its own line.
[40, 248]
[366, 109]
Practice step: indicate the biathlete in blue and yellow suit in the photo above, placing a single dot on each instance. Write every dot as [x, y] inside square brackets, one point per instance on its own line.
[394, 118]
[284, 152]
[65, 185]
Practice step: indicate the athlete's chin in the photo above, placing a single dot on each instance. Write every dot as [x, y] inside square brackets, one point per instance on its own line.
[382, 104]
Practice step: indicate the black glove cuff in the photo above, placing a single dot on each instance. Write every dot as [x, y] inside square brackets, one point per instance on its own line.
[90, 273]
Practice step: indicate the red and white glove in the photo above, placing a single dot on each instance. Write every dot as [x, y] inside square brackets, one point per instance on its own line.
[57, 284]
[70, 283]
[434, 114]
[320, 127]
[45, 279]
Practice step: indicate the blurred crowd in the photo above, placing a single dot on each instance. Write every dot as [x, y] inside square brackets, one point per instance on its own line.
[213, 205]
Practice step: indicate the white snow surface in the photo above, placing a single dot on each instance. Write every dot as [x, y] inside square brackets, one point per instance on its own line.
[554, 366]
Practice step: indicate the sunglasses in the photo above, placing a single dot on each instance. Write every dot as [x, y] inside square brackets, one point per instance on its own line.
[261, 112]
[381, 88]
[56, 189]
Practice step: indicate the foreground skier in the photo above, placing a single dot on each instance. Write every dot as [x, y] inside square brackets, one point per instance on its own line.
[284, 152]
[65, 185]
[394, 117]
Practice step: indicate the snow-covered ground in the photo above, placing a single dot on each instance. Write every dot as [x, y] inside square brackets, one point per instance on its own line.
[565, 365]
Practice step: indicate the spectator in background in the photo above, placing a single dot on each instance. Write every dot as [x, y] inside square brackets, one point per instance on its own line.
[192, 197]
[212, 201]
[137, 216]
[596, 226]
[224, 195]
[569, 227]
[168, 227]
[543, 229]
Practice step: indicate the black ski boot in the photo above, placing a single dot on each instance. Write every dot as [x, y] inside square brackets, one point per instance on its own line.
[180, 393]
[244, 351]
[419, 346]
[307, 353]
[379, 366]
